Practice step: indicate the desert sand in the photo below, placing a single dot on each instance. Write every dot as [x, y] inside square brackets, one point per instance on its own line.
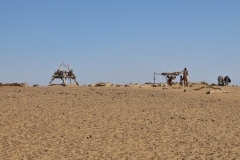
[119, 123]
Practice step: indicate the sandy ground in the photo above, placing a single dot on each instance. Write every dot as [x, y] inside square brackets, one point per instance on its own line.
[119, 123]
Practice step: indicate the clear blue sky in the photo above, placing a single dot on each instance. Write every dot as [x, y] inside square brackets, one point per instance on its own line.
[119, 41]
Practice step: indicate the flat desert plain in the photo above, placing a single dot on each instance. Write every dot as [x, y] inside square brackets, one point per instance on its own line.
[119, 123]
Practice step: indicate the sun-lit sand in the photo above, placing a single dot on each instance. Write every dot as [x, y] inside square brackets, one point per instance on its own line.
[119, 123]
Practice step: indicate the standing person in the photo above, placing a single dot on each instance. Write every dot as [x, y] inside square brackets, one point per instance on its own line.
[227, 80]
[170, 79]
[185, 76]
[181, 81]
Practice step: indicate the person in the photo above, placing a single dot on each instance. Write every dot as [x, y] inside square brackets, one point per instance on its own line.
[170, 79]
[185, 76]
[227, 80]
[181, 81]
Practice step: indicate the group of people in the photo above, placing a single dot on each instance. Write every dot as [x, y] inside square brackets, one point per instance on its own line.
[223, 81]
[183, 78]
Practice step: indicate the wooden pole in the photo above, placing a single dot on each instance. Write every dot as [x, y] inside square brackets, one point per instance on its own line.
[154, 77]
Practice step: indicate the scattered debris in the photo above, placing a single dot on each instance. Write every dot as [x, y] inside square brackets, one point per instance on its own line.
[13, 84]
[176, 87]
[154, 85]
[100, 84]
[199, 88]
[163, 84]
[91, 85]
[209, 92]
[203, 82]
[207, 87]
[149, 83]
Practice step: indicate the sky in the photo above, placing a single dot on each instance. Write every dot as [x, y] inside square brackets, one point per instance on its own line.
[119, 41]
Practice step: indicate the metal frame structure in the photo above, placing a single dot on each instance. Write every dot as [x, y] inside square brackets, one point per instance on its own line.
[167, 75]
[63, 75]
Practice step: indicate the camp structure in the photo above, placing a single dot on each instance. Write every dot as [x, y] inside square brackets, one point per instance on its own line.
[166, 74]
[63, 75]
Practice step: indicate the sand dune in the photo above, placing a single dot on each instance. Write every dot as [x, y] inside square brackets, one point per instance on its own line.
[119, 123]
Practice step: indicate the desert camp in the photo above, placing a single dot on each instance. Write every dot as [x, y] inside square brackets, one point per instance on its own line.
[112, 121]
[119, 80]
